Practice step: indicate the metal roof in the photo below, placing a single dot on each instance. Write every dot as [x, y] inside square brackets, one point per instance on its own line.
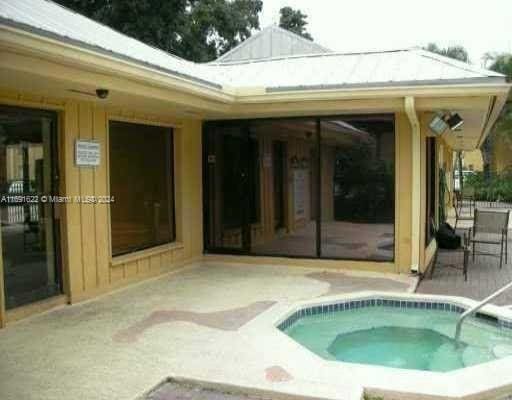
[318, 71]
[270, 42]
[372, 69]
[51, 19]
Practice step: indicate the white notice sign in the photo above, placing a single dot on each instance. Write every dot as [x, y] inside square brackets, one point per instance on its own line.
[87, 153]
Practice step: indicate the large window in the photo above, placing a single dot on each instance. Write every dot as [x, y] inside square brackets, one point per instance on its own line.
[307, 187]
[141, 182]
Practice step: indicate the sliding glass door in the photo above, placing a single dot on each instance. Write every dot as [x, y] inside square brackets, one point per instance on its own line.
[28, 177]
[227, 176]
[304, 187]
[358, 193]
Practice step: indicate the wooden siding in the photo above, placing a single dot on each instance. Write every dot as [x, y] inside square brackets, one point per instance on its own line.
[89, 269]
[87, 266]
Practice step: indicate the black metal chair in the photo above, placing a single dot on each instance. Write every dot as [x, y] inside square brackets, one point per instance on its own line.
[458, 207]
[490, 227]
[464, 249]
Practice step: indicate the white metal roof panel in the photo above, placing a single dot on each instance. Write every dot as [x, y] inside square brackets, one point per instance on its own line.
[49, 17]
[365, 69]
[271, 42]
[328, 70]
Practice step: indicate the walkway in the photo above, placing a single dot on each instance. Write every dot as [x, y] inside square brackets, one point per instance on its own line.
[484, 275]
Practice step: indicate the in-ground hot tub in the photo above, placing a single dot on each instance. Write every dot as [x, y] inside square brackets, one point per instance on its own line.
[413, 333]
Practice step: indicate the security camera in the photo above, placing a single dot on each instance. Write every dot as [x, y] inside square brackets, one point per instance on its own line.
[102, 93]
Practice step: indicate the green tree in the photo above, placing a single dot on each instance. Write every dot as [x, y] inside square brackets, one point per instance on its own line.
[501, 63]
[294, 21]
[455, 52]
[197, 30]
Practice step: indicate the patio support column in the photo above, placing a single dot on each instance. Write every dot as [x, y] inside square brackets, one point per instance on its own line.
[410, 109]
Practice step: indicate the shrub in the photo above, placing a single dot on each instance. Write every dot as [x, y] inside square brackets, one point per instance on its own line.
[497, 187]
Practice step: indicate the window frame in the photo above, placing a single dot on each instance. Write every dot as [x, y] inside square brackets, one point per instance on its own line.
[54, 114]
[172, 131]
[431, 171]
[246, 124]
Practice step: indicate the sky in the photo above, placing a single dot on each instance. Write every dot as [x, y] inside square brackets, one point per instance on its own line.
[360, 25]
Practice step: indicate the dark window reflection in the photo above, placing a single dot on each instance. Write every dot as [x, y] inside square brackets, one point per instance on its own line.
[226, 173]
[264, 189]
[141, 182]
[27, 171]
[287, 181]
[358, 179]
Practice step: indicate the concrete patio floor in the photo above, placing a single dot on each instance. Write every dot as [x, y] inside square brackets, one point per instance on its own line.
[484, 277]
[484, 274]
[208, 321]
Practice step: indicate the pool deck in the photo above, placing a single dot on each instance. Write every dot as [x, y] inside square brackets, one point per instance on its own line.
[484, 274]
[209, 321]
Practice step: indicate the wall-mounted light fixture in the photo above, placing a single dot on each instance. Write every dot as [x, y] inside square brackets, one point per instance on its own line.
[438, 125]
[102, 93]
[99, 93]
[443, 121]
[455, 121]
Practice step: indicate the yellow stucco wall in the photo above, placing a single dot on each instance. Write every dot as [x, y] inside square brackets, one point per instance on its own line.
[444, 159]
[403, 206]
[87, 266]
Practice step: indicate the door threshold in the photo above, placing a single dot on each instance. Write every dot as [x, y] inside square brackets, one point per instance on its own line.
[38, 307]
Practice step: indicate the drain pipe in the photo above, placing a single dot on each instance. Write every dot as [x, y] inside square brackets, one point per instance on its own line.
[410, 110]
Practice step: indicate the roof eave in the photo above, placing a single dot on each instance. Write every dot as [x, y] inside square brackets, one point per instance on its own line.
[38, 45]
[83, 57]
[43, 35]
[394, 84]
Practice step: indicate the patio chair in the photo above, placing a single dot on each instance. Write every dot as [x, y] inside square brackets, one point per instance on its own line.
[491, 228]
[464, 250]
[459, 216]
[467, 198]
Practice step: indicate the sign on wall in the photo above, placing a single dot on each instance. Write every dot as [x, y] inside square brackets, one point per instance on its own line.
[299, 193]
[87, 153]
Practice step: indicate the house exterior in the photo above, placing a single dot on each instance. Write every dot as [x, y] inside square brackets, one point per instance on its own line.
[120, 162]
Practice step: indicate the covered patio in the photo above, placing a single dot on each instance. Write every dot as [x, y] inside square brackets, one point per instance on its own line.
[484, 274]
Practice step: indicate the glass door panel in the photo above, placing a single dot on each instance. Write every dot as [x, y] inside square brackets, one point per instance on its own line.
[287, 223]
[27, 172]
[279, 180]
[227, 175]
[357, 188]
